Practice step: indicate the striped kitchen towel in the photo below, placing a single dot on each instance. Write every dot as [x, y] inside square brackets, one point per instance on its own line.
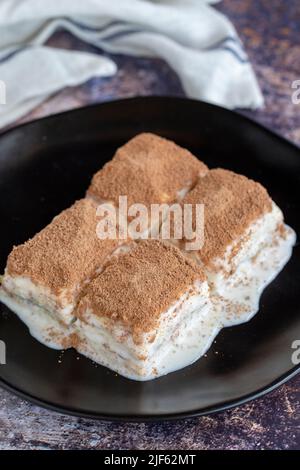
[197, 41]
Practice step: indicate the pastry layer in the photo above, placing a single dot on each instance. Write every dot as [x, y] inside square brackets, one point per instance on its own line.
[255, 238]
[132, 314]
[43, 325]
[136, 287]
[148, 170]
[111, 344]
[241, 225]
[187, 329]
[232, 203]
[144, 308]
[50, 269]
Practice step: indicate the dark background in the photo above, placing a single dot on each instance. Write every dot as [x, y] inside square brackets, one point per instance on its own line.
[270, 31]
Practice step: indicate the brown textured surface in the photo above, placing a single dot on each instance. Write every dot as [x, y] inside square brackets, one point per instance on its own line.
[232, 203]
[148, 170]
[135, 288]
[65, 253]
[271, 422]
[270, 31]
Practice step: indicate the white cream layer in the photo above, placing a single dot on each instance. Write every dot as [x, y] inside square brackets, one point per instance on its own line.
[40, 296]
[108, 343]
[113, 346]
[42, 325]
[185, 337]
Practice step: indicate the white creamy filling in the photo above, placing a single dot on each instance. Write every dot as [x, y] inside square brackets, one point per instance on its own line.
[185, 337]
[59, 305]
[154, 365]
[239, 302]
[115, 347]
[258, 235]
[41, 324]
[40, 296]
[237, 285]
[183, 191]
[236, 298]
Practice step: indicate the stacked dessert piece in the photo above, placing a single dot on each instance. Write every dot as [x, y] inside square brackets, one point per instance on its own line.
[138, 312]
[148, 171]
[45, 276]
[246, 242]
[147, 307]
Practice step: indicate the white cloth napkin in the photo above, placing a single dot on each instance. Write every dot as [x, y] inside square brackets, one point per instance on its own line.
[197, 41]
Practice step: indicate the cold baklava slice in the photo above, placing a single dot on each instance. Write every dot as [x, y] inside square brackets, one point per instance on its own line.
[44, 276]
[141, 316]
[245, 240]
[148, 170]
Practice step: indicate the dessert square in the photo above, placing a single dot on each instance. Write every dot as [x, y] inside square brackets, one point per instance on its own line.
[45, 275]
[148, 170]
[141, 310]
[246, 242]
[149, 307]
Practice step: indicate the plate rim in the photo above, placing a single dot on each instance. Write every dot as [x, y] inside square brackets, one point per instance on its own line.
[237, 112]
[222, 406]
[138, 418]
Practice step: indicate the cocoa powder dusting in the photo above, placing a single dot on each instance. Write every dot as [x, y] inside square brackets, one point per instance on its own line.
[138, 286]
[232, 203]
[65, 253]
[148, 170]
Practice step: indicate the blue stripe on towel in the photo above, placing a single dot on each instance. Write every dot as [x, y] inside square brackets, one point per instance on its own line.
[95, 29]
[11, 54]
[238, 53]
[223, 44]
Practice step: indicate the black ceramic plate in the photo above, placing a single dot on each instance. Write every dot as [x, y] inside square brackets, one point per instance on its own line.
[47, 164]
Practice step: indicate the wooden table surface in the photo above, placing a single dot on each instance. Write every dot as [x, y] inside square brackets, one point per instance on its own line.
[270, 31]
